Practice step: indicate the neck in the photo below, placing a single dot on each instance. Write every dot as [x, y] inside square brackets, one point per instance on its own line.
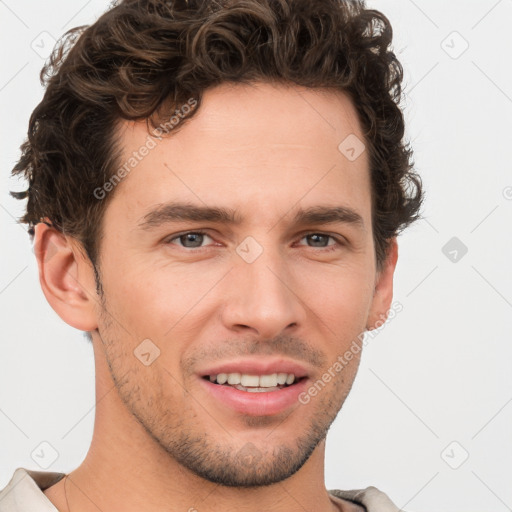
[126, 469]
[121, 473]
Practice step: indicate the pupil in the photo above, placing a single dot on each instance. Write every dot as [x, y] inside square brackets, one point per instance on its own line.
[317, 236]
[189, 237]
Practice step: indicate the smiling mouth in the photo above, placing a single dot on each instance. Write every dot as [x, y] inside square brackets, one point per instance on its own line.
[254, 383]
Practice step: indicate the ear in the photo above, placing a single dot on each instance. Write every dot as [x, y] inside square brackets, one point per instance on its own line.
[67, 277]
[383, 293]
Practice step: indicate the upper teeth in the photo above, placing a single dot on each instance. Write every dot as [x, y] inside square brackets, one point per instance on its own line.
[261, 381]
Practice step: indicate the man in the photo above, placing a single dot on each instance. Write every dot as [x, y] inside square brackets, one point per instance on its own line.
[215, 191]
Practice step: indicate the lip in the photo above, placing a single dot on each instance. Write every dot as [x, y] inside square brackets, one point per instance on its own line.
[256, 367]
[256, 404]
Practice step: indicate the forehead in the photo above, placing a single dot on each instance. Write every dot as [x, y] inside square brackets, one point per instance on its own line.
[250, 145]
[241, 116]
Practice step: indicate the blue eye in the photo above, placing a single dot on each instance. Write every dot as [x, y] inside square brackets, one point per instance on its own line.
[194, 238]
[321, 238]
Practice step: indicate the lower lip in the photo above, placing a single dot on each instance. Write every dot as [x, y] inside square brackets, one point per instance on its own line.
[256, 404]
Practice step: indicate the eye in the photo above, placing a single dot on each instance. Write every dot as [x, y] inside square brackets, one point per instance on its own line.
[195, 240]
[320, 240]
[190, 239]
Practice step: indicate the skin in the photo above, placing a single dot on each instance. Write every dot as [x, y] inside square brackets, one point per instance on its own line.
[264, 150]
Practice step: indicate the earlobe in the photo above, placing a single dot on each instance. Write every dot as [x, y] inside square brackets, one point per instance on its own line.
[66, 277]
[383, 292]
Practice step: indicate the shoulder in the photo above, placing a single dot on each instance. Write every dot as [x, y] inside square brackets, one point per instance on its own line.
[371, 498]
[25, 491]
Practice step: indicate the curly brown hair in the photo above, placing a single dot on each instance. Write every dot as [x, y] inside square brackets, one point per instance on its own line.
[143, 58]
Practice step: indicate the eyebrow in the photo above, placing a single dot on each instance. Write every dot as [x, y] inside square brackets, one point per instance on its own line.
[179, 212]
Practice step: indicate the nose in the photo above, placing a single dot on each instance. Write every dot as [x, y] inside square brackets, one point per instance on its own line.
[261, 298]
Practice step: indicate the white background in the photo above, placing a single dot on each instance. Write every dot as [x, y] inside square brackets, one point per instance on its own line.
[439, 373]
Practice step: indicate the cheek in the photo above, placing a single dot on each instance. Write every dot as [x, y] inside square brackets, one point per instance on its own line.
[339, 294]
[154, 300]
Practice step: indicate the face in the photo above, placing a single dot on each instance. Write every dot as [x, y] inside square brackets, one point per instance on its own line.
[240, 248]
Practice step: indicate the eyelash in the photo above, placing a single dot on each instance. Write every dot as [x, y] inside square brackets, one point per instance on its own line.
[328, 248]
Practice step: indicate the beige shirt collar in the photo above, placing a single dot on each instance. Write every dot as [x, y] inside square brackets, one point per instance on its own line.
[24, 494]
